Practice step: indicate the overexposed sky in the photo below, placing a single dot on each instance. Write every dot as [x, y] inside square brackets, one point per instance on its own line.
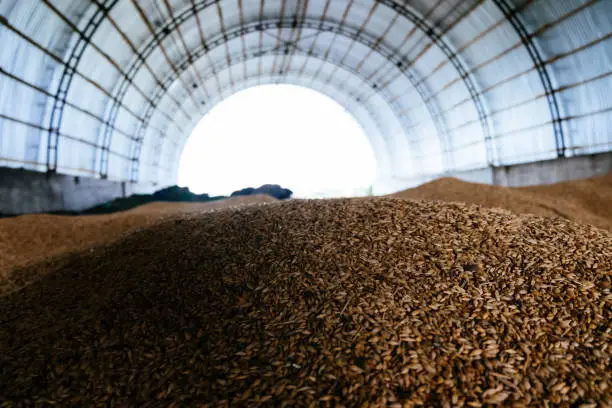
[278, 134]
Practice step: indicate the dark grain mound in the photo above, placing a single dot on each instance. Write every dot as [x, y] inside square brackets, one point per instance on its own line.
[361, 302]
[29, 239]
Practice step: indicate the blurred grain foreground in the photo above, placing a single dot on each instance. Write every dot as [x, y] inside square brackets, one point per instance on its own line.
[353, 302]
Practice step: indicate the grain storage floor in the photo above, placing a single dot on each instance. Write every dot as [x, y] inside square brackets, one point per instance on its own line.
[353, 302]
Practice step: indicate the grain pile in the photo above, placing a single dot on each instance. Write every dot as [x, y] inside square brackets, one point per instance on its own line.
[29, 239]
[588, 201]
[360, 302]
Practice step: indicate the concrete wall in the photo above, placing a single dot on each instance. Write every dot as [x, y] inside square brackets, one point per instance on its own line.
[553, 171]
[527, 174]
[483, 176]
[542, 172]
[24, 191]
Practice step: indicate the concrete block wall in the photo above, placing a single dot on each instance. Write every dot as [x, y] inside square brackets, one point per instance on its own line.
[526, 174]
[553, 171]
[483, 176]
[541, 172]
[24, 191]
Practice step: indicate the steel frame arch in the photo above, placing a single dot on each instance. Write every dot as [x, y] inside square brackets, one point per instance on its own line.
[504, 5]
[219, 96]
[403, 10]
[195, 7]
[271, 79]
[357, 34]
[381, 48]
[250, 54]
[512, 15]
[430, 31]
[71, 64]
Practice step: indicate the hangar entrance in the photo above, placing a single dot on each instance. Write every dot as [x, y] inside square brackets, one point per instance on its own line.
[279, 134]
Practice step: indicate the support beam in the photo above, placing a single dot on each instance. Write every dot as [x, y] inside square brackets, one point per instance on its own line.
[514, 19]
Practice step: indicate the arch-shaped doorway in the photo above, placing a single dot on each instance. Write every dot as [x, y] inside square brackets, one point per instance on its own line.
[280, 134]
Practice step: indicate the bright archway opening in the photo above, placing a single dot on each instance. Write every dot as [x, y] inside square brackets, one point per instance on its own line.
[279, 134]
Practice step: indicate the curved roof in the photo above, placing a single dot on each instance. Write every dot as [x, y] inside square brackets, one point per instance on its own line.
[113, 88]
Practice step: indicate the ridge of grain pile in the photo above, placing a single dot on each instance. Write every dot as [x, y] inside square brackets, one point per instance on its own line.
[588, 201]
[29, 239]
[347, 302]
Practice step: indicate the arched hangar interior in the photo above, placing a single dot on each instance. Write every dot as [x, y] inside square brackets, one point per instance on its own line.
[111, 89]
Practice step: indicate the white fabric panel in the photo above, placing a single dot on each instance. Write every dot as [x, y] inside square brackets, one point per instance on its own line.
[21, 146]
[76, 156]
[119, 168]
[525, 145]
[12, 142]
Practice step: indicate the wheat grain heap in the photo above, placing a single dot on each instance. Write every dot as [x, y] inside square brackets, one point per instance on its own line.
[350, 302]
[588, 200]
[32, 238]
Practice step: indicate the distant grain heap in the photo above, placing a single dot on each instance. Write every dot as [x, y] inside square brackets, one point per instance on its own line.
[588, 201]
[362, 302]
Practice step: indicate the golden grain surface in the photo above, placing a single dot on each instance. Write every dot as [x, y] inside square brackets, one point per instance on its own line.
[350, 302]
